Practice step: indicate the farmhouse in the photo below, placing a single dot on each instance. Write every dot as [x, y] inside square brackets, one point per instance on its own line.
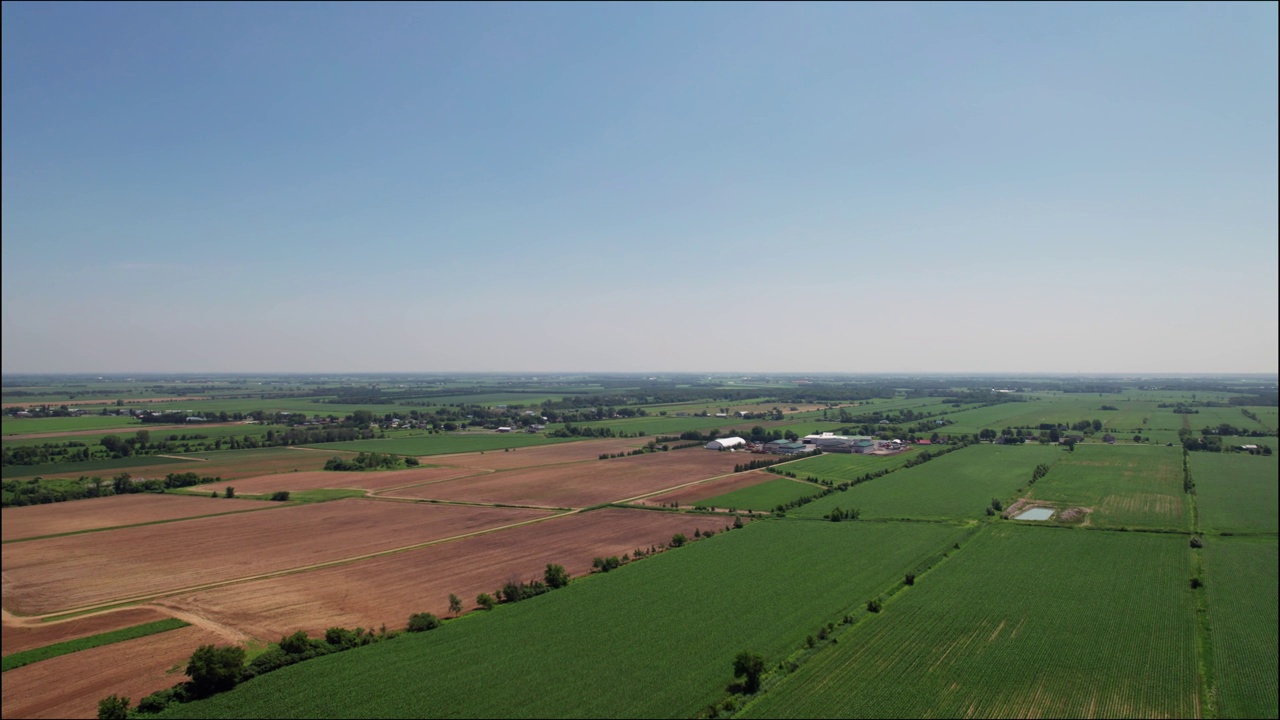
[785, 447]
[504, 428]
[726, 443]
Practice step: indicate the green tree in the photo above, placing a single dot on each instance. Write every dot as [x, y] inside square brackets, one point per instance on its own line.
[423, 621]
[678, 540]
[750, 666]
[556, 576]
[215, 669]
[455, 605]
[486, 601]
[113, 707]
[143, 437]
[230, 492]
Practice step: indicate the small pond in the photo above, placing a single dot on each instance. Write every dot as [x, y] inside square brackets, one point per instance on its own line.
[1038, 513]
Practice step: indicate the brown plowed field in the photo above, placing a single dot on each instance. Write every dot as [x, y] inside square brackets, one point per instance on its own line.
[19, 635]
[689, 495]
[390, 588]
[69, 686]
[539, 454]
[317, 479]
[583, 484]
[58, 574]
[55, 518]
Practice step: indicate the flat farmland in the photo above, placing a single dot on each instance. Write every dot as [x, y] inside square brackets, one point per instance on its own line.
[375, 480]
[388, 589]
[113, 511]
[1240, 578]
[1137, 487]
[839, 467]
[580, 451]
[25, 633]
[145, 465]
[582, 484]
[653, 639]
[1236, 492]
[719, 486]
[764, 497]
[958, 485]
[69, 686]
[1020, 622]
[422, 445]
[60, 574]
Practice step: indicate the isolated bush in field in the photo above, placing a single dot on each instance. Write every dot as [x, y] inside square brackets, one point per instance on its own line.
[910, 579]
[214, 669]
[280, 496]
[455, 605]
[486, 601]
[113, 707]
[873, 605]
[1195, 583]
[421, 622]
[678, 540]
[230, 492]
[555, 576]
[749, 666]
[1196, 542]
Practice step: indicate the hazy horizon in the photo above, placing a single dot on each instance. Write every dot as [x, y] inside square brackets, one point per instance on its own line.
[878, 189]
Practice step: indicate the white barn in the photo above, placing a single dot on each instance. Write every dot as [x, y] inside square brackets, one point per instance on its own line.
[725, 443]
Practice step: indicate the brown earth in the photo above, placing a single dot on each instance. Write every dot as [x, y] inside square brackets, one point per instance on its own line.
[388, 589]
[121, 430]
[319, 479]
[26, 633]
[692, 493]
[112, 511]
[60, 574]
[69, 686]
[582, 484]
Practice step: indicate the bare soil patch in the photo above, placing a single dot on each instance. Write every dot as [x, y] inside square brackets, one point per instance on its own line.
[388, 589]
[112, 511]
[711, 488]
[583, 484]
[60, 574]
[70, 686]
[322, 479]
[24, 633]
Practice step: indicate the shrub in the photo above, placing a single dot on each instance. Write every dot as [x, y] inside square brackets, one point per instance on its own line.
[873, 605]
[678, 540]
[910, 579]
[486, 601]
[280, 496]
[1195, 583]
[749, 666]
[113, 707]
[215, 669]
[555, 576]
[229, 492]
[1196, 542]
[421, 622]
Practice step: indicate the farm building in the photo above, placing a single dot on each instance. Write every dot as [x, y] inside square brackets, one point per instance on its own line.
[841, 444]
[726, 443]
[785, 447]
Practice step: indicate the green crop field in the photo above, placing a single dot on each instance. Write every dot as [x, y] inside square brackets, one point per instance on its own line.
[653, 639]
[839, 467]
[1236, 492]
[26, 657]
[441, 444]
[95, 467]
[1241, 580]
[958, 485]
[765, 496]
[1124, 486]
[10, 425]
[1021, 622]
[157, 432]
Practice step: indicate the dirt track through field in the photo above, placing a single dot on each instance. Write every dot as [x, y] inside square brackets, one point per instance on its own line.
[114, 511]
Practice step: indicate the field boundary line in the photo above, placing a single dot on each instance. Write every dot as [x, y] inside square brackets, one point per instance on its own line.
[273, 506]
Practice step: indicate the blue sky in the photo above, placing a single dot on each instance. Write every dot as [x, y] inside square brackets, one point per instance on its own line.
[640, 187]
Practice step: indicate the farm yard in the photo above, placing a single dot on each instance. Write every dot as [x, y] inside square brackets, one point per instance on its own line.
[968, 604]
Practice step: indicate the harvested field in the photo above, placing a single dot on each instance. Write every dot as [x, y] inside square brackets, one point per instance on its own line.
[24, 634]
[390, 588]
[540, 455]
[70, 686]
[60, 574]
[693, 493]
[113, 511]
[582, 484]
[320, 479]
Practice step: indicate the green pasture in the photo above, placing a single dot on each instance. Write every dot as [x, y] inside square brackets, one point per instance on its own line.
[444, 443]
[1241, 581]
[90, 467]
[1022, 621]
[956, 486]
[157, 433]
[653, 639]
[26, 657]
[1236, 492]
[765, 496]
[10, 425]
[1125, 486]
[841, 467]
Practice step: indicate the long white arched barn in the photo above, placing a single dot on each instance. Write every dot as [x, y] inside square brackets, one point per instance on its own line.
[725, 443]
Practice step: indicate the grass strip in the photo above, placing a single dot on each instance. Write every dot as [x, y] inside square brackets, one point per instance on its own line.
[26, 657]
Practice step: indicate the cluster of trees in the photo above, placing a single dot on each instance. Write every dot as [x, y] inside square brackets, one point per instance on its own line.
[18, 493]
[369, 461]
[766, 462]
[1040, 471]
[995, 507]
[651, 446]
[836, 514]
